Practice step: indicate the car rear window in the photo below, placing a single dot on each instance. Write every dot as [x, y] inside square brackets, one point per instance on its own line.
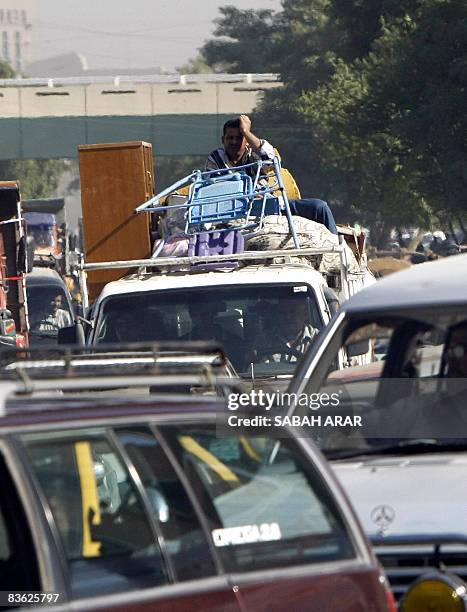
[103, 527]
[266, 504]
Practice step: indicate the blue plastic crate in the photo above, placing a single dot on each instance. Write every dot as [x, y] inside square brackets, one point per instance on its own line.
[220, 199]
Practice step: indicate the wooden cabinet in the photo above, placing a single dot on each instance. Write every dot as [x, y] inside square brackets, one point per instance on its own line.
[115, 178]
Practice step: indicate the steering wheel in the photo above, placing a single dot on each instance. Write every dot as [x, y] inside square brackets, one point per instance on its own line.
[279, 350]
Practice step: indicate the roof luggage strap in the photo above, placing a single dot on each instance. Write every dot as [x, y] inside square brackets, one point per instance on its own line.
[224, 199]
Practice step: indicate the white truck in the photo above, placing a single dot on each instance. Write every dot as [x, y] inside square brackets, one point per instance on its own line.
[249, 280]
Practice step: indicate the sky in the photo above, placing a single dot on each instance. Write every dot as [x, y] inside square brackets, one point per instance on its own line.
[129, 34]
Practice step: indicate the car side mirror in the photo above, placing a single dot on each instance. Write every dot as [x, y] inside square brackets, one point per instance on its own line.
[73, 334]
[358, 348]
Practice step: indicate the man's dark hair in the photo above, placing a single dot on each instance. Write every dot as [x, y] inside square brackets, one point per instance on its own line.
[231, 123]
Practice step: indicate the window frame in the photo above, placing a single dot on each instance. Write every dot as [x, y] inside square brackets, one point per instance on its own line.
[39, 511]
[328, 483]
[48, 549]
[98, 313]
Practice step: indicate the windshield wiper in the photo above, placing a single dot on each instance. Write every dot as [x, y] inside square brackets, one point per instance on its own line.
[402, 447]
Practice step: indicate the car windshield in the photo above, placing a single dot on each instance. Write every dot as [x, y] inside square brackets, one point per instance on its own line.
[401, 386]
[49, 311]
[267, 327]
[42, 234]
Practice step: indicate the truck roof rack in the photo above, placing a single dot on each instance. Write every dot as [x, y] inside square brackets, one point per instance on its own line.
[180, 262]
[167, 367]
[216, 198]
[222, 209]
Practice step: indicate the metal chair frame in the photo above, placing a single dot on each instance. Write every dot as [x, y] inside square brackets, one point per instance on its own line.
[249, 222]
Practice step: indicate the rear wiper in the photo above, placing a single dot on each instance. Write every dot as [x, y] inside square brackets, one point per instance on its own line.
[402, 447]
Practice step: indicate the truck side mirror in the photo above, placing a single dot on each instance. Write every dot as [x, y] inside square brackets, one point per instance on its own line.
[331, 300]
[73, 334]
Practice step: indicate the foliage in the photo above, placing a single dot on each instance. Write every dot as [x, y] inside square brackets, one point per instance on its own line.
[6, 71]
[393, 125]
[38, 178]
[372, 115]
[170, 169]
[244, 41]
[197, 65]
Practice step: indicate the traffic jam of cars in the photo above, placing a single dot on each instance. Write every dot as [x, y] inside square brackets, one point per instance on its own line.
[230, 412]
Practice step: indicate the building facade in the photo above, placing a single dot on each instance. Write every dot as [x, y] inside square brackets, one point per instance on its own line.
[16, 17]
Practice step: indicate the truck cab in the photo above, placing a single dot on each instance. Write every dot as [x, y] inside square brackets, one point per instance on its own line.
[13, 264]
[229, 263]
[248, 311]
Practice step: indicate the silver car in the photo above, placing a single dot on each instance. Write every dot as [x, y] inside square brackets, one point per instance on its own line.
[402, 452]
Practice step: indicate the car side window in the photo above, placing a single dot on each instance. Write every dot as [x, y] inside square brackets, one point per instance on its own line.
[183, 535]
[265, 503]
[106, 535]
[18, 563]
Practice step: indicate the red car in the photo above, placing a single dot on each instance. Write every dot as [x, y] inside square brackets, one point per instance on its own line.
[118, 501]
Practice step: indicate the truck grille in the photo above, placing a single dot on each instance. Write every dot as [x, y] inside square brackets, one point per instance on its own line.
[404, 564]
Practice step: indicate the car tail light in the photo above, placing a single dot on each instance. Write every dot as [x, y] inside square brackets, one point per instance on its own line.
[390, 599]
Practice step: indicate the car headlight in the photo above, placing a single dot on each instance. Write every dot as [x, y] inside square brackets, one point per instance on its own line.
[436, 593]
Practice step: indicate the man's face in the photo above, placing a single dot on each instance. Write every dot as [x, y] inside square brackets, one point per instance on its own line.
[56, 302]
[457, 353]
[203, 317]
[293, 316]
[234, 144]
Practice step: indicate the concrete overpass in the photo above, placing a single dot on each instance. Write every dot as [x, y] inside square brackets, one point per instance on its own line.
[178, 114]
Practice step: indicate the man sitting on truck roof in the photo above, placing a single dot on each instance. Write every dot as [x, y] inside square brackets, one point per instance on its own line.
[241, 147]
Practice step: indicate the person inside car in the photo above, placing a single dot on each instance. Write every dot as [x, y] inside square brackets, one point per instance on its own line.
[456, 352]
[206, 325]
[240, 146]
[57, 318]
[436, 414]
[288, 335]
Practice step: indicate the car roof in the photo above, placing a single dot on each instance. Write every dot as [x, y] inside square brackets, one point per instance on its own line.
[438, 283]
[271, 274]
[59, 384]
[39, 218]
[44, 276]
[19, 412]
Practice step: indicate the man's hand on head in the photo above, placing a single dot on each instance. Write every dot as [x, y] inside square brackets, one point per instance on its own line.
[245, 124]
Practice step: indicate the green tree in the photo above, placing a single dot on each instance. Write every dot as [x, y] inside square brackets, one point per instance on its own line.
[197, 65]
[418, 81]
[244, 41]
[392, 126]
[6, 71]
[372, 114]
[38, 178]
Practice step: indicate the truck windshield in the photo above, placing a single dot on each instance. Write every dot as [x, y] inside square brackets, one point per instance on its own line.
[44, 236]
[49, 311]
[267, 326]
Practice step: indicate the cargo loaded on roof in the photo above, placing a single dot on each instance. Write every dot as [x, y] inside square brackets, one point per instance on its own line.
[225, 260]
